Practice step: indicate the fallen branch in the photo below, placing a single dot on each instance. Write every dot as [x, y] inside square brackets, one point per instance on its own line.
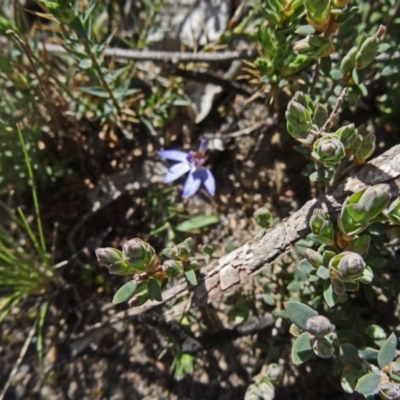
[162, 56]
[233, 270]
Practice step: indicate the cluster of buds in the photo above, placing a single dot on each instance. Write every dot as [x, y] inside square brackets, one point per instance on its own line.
[139, 260]
[308, 124]
[180, 261]
[361, 55]
[136, 257]
[319, 327]
[299, 118]
[361, 209]
[328, 150]
[347, 267]
[321, 14]
[314, 46]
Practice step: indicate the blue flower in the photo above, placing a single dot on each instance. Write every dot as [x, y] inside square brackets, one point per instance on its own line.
[191, 162]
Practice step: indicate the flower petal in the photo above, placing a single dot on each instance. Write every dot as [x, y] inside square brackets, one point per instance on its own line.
[176, 171]
[175, 155]
[208, 179]
[192, 184]
[203, 146]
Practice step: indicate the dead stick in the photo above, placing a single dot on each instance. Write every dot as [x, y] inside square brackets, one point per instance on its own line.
[163, 56]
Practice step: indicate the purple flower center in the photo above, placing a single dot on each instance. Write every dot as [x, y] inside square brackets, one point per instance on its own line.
[195, 158]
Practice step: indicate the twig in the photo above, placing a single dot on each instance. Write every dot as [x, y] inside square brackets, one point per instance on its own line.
[335, 110]
[163, 56]
[233, 270]
[17, 364]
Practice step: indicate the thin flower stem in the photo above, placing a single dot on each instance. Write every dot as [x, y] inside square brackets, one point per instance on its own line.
[101, 77]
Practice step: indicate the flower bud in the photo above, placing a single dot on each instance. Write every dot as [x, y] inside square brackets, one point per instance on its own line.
[369, 48]
[113, 260]
[395, 370]
[319, 326]
[313, 46]
[180, 252]
[354, 217]
[172, 268]
[263, 217]
[139, 254]
[347, 266]
[322, 227]
[348, 62]
[389, 391]
[313, 257]
[318, 13]
[329, 150]
[340, 3]
[193, 264]
[323, 348]
[346, 135]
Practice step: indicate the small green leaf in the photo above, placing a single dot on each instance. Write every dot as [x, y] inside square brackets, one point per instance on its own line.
[330, 296]
[351, 286]
[198, 222]
[368, 353]
[327, 256]
[299, 313]
[387, 351]
[302, 350]
[304, 30]
[368, 384]
[383, 47]
[358, 212]
[336, 75]
[348, 352]
[323, 272]
[320, 115]
[125, 292]
[376, 333]
[154, 289]
[305, 267]
[190, 275]
[95, 91]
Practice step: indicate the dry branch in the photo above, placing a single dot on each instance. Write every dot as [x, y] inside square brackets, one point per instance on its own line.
[162, 56]
[236, 268]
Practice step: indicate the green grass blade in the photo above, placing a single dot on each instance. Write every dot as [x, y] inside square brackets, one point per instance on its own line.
[34, 191]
